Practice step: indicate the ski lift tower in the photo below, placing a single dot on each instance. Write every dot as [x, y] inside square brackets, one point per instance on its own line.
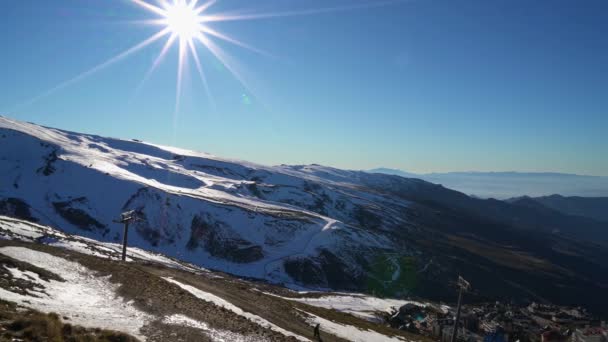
[464, 286]
[126, 218]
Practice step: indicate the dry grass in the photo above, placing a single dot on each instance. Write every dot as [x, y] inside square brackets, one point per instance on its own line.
[507, 257]
[30, 325]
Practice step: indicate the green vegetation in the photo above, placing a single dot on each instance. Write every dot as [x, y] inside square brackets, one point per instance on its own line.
[391, 275]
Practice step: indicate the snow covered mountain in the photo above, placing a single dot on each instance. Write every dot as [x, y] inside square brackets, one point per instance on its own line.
[248, 219]
[303, 226]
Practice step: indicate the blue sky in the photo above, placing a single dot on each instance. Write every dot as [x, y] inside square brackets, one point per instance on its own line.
[422, 85]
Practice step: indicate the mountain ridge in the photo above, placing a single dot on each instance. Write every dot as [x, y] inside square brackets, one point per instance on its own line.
[590, 207]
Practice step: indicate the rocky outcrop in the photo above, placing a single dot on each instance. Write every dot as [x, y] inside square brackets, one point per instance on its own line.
[220, 241]
[71, 212]
[15, 207]
[48, 168]
[327, 270]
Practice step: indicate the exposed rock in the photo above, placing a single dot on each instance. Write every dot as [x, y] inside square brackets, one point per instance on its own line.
[222, 242]
[327, 269]
[153, 211]
[76, 216]
[48, 167]
[253, 188]
[15, 207]
[304, 271]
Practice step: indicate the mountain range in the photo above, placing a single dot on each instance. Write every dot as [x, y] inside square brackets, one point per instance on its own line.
[303, 226]
[505, 185]
[591, 207]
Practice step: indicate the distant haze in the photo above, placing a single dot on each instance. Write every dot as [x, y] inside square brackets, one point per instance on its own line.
[502, 185]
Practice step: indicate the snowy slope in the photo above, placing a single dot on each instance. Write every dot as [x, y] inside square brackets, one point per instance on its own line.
[87, 300]
[366, 307]
[236, 216]
[15, 229]
[348, 332]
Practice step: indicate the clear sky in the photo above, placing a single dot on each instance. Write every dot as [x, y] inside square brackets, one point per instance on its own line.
[421, 85]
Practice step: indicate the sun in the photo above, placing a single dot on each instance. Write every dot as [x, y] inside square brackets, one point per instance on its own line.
[185, 23]
[188, 24]
[183, 20]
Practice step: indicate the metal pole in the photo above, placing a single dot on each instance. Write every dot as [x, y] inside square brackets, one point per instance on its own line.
[124, 241]
[455, 332]
[126, 218]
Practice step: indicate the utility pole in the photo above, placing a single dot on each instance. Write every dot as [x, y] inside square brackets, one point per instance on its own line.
[464, 286]
[126, 218]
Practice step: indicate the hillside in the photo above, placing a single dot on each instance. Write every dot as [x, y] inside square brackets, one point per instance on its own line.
[53, 284]
[591, 207]
[306, 226]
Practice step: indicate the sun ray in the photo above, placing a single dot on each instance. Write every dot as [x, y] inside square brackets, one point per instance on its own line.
[201, 73]
[163, 3]
[235, 42]
[225, 59]
[97, 68]
[202, 8]
[256, 16]
[156, 62]
[180, 73]
[233, 67]
[150, 7]
[152, 22]
[192, 4]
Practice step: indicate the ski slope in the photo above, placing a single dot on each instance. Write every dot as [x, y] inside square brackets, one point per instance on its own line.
[239, 217]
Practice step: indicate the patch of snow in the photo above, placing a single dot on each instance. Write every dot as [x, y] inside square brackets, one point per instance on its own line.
[208, 297]
[26, 231]
[85, 298]
[361, 306]
[348, 332]
[80, 247]
[214, 334]
[185, 321]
